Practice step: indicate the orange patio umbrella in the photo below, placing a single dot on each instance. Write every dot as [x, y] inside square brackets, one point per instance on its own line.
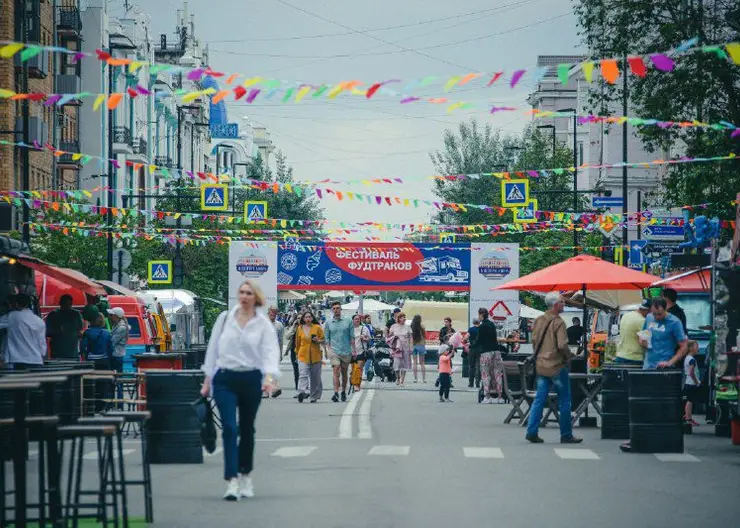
[583, 272]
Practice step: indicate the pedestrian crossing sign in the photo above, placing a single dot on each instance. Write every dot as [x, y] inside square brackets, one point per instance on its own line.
[526, 214]
[214, 197]
[447, 238]
[160, 271]
[514, 193]
[255, 212]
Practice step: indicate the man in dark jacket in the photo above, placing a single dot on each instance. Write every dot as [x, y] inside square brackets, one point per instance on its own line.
[550, 342]
[64, 327]
[485, 341]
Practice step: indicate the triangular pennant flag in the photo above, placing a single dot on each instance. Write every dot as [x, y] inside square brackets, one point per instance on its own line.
[588, 71]
[637, 66]
[610, 70]
[563, 70]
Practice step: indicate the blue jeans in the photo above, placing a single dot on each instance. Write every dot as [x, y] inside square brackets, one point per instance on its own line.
[234, 390]
[561, 382]
[623, 361]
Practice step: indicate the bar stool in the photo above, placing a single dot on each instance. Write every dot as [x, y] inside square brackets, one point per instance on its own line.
[140, 418]
[118, 423]
[103, 434]
[40, 429]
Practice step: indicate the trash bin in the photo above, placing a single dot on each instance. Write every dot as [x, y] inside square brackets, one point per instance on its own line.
[655, 411]
[174, 427]
[615, 420]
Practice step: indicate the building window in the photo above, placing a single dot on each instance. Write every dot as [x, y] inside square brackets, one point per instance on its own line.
[580, 152]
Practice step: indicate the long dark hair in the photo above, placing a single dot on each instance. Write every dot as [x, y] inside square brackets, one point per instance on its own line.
[417, 331]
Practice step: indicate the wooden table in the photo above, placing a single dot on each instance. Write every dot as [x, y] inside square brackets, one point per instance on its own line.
[589, 393]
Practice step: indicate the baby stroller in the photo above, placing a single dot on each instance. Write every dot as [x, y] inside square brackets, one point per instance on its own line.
[382, 364]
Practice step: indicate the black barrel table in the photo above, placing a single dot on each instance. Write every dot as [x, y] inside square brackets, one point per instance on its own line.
[656, 411]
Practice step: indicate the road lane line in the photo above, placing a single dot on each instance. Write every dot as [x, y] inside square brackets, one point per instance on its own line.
[483, 452]
[345, 422]
[676, 457]
[365, 430]
[294, 451]
[389, 450]
[576, 454]
[93, 455]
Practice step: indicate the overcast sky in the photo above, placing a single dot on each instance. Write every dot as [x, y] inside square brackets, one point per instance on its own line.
[350, 137]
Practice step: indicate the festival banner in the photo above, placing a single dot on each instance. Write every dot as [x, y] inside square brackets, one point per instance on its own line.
[389, 266]
[255, 261]
[492, 265]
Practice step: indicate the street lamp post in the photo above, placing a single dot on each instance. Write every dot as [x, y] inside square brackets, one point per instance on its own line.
[575, 173]
[551, 127]
[112, 183]
[177, 264]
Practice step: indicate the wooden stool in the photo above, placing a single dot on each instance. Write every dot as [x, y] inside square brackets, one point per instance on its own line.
[41, 429]
[140, 418]
[103, 434]
[118, 423]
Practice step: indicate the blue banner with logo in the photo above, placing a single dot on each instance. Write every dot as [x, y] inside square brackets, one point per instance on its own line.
[362, 266]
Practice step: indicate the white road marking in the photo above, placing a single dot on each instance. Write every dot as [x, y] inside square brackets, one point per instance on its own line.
[576, 454]
[365, 430]
[676, 457]
[483, 452]
[345, 422]
[294, 451]
[93, 455]
[215, 452]
[295, 439]
[33, 453]
[389, 450]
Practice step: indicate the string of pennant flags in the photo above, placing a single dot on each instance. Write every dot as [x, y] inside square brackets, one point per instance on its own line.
[548, 220]
[608, 68]
[304, 243]
[301, 188]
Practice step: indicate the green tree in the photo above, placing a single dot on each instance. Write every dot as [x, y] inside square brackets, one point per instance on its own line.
[704, 86]
[476, 150]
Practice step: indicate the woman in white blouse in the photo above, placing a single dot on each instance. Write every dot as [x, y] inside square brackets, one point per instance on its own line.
[241, 362]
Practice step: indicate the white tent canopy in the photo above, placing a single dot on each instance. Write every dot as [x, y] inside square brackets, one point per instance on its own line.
[529, 313]
[369, 306]
[290, 295]
[334, 294]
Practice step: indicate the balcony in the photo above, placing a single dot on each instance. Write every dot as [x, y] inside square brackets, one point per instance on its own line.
[65, 160]
[140, 150]
[68, 84]
[163, 161]
[38, 66]
[37, 130]
[122, 141]
[69, 22]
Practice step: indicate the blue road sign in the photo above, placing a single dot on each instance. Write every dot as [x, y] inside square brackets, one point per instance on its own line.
[255, 212]
[514, 193]
[663, 232]
[214, 197]
[526, 214]
[607, 201]
[225, 131]
[159, 271]
[637, 257]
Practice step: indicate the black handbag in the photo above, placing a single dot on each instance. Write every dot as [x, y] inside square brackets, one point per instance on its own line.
[208, 434]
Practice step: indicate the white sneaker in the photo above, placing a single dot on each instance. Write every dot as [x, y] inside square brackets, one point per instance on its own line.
[246, 488]
[232, 490]
[487, 400]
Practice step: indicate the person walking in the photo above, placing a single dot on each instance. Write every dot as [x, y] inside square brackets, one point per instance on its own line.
[419, 342]
[478, 346]
[446, 352]
[446, 330]
[399, 339]
[340, 344]
[551, 357]
[96, 346]
[629, 351]
[64, 327]
[362, 341]
[491, 364]
[308, 340]
[391, 321]
[290, 351]
[272, 313]
[25, 345]
[242, 360]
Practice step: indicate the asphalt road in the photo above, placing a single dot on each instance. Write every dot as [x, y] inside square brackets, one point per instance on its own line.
[398, 458]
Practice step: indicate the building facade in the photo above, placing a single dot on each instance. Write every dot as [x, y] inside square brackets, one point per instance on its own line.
[48, 23]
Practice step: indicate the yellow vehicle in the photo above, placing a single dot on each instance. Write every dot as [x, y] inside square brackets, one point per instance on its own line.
[163, 338]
